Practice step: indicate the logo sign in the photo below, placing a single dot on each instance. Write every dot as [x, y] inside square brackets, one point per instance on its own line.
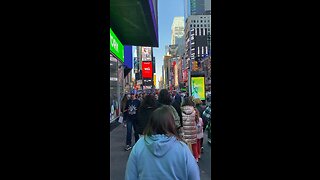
[116, 46]
[147, 69]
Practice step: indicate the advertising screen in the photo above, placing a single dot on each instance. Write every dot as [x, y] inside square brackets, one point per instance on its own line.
[198, 88]
[147, 69]
[146, 54]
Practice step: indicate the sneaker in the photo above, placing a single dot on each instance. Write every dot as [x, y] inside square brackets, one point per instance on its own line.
[128, 148]
[202, 149]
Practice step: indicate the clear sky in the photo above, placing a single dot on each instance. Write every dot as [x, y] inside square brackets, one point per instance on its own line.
[167, 10]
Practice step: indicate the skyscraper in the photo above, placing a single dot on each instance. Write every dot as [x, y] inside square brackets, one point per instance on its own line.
[195, 7]
[177, 34]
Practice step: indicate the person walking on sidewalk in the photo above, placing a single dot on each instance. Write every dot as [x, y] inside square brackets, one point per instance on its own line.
[189, 129]
[132, 108]
[161, 153]
[165, 99]
[199, 132]
[148, 105]
[201, 109]
[177, 106]
[123, 107]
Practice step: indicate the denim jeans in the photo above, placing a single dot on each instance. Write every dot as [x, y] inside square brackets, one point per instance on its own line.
[131, 123]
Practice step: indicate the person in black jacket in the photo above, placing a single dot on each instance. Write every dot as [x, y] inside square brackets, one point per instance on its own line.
[177, 106]
[147, 107]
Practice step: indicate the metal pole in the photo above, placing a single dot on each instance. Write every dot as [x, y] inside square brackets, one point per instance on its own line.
[190, 64]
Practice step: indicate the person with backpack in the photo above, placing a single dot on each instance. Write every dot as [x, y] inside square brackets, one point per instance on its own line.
[165, 99]
[177, 106]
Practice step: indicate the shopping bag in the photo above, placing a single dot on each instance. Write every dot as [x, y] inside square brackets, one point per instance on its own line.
[120, 119]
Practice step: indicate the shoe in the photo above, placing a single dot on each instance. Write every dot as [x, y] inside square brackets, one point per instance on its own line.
[202, 149]
[197, 160]
[128, 148]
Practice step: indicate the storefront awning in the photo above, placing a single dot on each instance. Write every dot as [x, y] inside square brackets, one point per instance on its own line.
[135, 21]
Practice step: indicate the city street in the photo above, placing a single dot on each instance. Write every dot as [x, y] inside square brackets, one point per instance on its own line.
[118, 156]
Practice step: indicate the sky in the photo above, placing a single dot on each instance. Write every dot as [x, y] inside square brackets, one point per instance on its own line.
[167, 10]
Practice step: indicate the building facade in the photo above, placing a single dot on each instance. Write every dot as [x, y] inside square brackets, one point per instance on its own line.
[198, 38]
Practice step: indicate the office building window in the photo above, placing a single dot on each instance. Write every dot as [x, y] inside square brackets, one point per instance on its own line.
[200, 32]
[204, 32]
[205, 25]
[206, 49]
[202, 50]
[198, 25]
[198, 51]
[201, 21]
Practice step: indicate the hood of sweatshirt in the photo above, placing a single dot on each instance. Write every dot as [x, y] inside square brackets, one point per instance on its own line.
[188, 110]
[159, 144]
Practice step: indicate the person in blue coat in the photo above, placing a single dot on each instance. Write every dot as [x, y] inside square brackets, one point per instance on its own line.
[161, 153]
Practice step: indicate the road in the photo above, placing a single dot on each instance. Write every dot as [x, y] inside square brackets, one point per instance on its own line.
[119, 157]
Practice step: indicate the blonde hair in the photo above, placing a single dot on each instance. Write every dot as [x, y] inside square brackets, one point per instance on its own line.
[197, 101]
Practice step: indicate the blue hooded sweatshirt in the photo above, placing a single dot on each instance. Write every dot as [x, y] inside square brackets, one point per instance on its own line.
[160, 157]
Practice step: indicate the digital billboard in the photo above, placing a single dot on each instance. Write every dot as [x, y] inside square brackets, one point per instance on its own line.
[146, 54]
[198, 88]
[147, 69]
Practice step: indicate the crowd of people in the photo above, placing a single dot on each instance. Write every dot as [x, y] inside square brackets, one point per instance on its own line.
[168, 133]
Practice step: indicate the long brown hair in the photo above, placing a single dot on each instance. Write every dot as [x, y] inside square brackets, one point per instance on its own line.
[161, 122]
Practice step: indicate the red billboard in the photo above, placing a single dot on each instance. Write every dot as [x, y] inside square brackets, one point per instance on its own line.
[147, 69]
[185, 75]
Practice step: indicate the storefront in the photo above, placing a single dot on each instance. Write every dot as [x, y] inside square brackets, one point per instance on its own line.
[116, 75]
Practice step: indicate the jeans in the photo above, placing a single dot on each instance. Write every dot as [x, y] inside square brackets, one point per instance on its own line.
[131, 123]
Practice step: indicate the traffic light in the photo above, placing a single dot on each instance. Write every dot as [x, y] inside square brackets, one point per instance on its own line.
[195, 66]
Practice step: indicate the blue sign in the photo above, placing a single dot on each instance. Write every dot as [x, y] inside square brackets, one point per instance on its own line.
[128, 56]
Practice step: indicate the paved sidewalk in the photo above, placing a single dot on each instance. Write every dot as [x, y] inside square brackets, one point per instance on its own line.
[119, 157]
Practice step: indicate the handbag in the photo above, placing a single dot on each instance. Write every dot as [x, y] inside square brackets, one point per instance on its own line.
[120, 119]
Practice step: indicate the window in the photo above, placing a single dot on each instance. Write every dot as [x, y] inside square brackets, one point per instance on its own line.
[205, 21]
[201, 21]
[200, 32]
[206, 49]
[198, 51]
[196, 32]
[198, 25]
[197, 21]
[205, 25]
[201, 25]
[204, 32]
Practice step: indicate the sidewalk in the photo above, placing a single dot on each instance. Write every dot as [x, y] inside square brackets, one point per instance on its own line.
[119, 157]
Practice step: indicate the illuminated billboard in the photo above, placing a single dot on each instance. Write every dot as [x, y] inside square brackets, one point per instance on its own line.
[146, 54]
[147, 69]
[198, 88]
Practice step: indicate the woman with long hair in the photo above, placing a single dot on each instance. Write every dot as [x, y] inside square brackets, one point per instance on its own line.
[161, 153]
[147, 107]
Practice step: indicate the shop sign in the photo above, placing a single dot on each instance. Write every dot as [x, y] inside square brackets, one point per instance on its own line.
[116, 46]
